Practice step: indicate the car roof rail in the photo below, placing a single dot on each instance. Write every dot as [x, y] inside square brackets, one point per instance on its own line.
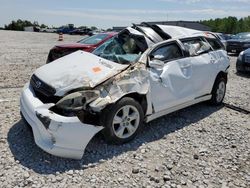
[158, 30]
[135, 26]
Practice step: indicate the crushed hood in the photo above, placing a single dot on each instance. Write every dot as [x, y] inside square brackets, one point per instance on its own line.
[79, 69]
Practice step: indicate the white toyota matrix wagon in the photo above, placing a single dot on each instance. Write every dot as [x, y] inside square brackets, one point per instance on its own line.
[144, 72]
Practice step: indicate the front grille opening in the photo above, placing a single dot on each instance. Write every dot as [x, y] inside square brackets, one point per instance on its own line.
[43, 91]
[41, 86]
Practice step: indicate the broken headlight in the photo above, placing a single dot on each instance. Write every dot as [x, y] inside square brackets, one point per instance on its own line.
[78, 100]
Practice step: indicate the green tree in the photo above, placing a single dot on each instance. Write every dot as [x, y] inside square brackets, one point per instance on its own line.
[93, 28]
[82, 27]
[43, 26]
[18, 25]
[230, 24]
[35, 23]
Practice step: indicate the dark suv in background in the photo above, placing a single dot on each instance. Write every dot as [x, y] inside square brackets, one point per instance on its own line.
[239, 43]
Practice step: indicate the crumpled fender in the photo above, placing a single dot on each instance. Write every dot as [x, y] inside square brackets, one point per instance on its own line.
[133, 80]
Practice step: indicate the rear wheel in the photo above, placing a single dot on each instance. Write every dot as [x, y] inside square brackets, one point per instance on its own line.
[219, 91]
[122, 121]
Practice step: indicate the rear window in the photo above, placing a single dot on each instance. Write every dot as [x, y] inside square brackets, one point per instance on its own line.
[215, 43]
[93, 39]
[195, 46]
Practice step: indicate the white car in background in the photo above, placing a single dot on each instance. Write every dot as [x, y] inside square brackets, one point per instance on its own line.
[47, 30]
[139, 75]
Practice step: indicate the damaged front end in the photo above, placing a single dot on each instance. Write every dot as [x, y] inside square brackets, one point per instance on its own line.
[57, 134]
[64, 100]
[65, 128]
[77, 104]
[87, 105]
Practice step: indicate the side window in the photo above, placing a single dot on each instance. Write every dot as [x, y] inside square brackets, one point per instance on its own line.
[214, 43]
[167, 53]
[195, 46]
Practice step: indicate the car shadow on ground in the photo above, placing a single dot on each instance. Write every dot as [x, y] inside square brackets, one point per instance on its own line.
[243, 74]
[24, 149]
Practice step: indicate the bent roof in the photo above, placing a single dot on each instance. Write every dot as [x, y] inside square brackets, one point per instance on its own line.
[172, 32]
[179, 32]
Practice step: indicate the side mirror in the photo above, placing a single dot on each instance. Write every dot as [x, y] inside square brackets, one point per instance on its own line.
[156, 63]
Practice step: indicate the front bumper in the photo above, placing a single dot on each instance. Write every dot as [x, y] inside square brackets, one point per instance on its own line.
[235, 49]
[61, 136]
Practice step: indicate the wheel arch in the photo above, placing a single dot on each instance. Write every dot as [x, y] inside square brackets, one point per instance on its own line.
[140, 98]
[221, 74]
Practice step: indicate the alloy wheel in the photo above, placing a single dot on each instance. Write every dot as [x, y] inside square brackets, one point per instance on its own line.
[126, 121]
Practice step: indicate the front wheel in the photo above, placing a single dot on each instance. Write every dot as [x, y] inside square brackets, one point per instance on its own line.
[122, 121]
[219, 91]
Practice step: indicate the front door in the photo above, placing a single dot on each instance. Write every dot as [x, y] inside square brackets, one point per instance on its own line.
[171, 85]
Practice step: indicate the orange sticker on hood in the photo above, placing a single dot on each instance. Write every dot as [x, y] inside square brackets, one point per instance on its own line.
[96, 69]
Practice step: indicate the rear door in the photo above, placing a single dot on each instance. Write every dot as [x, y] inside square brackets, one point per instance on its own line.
[202, 58]
[219, 51]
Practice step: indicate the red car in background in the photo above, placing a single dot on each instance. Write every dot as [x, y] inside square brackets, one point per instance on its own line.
[87, 44]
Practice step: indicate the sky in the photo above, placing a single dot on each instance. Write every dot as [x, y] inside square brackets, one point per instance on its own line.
[108, 13]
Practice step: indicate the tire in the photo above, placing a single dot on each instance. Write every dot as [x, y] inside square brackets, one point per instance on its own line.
[129, 117]
[239, 68]
[219, 91]
[238, 71]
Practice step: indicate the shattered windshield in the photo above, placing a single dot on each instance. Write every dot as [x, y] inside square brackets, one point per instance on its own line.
[121, 49]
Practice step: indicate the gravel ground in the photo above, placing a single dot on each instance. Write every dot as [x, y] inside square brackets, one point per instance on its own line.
[200, 146]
